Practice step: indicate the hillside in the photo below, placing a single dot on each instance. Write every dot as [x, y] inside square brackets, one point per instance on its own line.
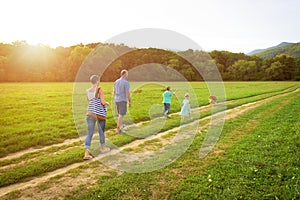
[289, 49]
[260, 50]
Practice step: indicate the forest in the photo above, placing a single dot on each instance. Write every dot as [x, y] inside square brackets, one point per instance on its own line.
[21, 62]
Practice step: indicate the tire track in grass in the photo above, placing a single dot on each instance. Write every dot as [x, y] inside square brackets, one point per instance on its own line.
[162, 134]
[231, 113]
[28, 159]
[158, 139]
[35, 150]
[73, 141]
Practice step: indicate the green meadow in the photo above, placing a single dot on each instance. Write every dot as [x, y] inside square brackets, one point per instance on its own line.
[40, 114]
[256, 157]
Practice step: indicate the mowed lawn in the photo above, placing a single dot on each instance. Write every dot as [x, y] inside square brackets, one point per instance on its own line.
[40, 114]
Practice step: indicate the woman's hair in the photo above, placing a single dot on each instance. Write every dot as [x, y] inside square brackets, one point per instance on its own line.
[94, 79]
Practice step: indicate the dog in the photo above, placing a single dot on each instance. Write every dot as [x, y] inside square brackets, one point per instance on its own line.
[212, 99]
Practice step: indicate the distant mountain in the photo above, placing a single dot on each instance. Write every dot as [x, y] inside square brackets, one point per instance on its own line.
[282, 44]
[291, 49]
[254, 52]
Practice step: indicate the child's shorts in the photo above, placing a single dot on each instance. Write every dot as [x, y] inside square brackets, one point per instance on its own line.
[166, 107]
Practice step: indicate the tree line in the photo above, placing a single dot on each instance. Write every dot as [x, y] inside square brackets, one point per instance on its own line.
[21, 62]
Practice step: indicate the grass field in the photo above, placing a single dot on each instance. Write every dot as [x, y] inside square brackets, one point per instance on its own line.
[251, 161]
[41, 114]
[256, 156]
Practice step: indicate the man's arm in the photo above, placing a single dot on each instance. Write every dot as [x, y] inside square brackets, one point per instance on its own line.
[128, 97]
[127, 91]
[114, 89]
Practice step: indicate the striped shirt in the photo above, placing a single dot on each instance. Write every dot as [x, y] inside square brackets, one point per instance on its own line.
[96, 107]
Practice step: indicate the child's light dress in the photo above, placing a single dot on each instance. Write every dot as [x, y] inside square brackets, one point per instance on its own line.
[185, 109]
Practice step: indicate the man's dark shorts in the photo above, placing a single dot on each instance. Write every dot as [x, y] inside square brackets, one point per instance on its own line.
[121, 107]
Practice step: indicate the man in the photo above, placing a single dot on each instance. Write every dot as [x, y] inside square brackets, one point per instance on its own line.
[122, 96]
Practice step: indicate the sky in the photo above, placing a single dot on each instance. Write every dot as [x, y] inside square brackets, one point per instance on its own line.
[231, 25]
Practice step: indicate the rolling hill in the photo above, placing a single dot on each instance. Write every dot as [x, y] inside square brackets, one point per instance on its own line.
[260, 50]
[291, 49]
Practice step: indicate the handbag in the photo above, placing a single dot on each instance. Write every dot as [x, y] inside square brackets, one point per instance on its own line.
[96, 109]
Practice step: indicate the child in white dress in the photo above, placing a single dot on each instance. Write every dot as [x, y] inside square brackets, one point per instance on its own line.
[186, 108]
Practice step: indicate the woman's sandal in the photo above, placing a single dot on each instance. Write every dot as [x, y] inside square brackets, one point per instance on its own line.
[89, 157]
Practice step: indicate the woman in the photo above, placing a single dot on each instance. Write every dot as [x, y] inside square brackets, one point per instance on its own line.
[93, 94]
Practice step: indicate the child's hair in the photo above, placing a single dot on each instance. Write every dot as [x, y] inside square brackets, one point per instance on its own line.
[168, 88]
[186, 95]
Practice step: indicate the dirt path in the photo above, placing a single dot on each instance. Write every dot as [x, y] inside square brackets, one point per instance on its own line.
[35, 150]
[76, 140]
[89, 174]
[72, 141]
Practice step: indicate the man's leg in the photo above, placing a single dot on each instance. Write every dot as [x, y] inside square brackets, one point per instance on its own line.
[122, 109]
[120, 122]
